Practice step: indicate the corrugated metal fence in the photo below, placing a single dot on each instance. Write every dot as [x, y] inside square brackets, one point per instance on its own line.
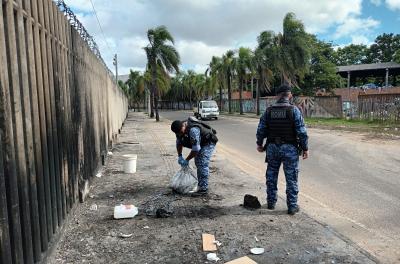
[59, 111]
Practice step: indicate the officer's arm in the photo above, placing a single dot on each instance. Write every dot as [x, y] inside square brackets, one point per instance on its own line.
[194, 135]
[179, 146]
[261, 130]
[301, 130]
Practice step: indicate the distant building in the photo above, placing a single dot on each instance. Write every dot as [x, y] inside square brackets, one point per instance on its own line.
[384, 70]
[123, 78]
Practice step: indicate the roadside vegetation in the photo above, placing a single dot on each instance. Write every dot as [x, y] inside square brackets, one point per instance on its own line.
[359, 125]
[292, 56]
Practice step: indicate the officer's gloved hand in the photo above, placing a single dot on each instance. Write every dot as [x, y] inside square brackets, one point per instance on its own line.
[182, 161]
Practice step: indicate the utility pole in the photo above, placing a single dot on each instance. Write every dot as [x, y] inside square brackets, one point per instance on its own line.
[115, 62]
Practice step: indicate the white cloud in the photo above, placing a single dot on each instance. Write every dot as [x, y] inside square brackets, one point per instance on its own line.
[197, 52]
[355, 26]
[393, 4]
[376, 2]
[208, 27]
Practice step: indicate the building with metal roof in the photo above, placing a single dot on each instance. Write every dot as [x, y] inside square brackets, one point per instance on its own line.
[352, 72]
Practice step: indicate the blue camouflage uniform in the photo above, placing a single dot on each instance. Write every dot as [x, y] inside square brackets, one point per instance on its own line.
[283, 153]
[202, 159]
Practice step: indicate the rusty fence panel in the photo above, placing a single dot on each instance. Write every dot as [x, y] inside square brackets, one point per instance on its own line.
[59, 112]
[381, 107]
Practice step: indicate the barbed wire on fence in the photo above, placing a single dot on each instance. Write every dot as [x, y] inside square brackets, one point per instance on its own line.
[73, 20]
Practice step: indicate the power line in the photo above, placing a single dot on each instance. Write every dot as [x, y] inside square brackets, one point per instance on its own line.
[101, 29]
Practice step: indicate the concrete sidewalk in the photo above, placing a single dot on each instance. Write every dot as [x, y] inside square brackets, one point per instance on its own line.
[93, 236]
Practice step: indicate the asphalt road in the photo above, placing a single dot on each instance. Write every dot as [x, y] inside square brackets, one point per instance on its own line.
[351, 181]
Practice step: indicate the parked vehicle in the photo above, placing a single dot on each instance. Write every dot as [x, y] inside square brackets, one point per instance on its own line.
[370, 86]
[206, 110]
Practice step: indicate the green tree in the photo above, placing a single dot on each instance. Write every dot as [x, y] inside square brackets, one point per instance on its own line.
[322, 72]
[292, 50]
[228, 68]
[189, 82]
[264, 62]
[216, 73]
[243, 65]
[123, 87]
[384, 49]
[352, 54]
[162, 58]
[397, 56]
[136, 88]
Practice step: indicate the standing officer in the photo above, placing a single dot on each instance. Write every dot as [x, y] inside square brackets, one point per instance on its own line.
[201, 139]
[282, 125]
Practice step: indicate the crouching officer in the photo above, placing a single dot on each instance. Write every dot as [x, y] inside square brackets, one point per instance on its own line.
[201, 139]
[282, 125]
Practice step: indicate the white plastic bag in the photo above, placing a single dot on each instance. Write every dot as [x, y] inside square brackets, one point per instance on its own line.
[184, 181]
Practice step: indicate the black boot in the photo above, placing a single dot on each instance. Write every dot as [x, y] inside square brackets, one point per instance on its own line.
[293, 210]
[271, 206]
[200, 193]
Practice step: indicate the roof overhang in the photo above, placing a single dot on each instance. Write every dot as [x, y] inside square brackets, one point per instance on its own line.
[369, 70]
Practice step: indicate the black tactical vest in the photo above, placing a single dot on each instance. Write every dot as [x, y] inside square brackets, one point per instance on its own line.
[280, 125]
[207, 133]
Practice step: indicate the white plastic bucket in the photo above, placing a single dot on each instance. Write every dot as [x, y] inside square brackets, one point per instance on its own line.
[129, 163]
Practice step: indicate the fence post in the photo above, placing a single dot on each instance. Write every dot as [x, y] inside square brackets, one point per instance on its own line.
[5, 245]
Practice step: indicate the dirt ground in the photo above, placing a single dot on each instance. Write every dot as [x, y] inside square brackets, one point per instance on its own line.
[93, 236]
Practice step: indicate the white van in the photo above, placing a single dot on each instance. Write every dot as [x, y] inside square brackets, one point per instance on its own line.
[206, 110]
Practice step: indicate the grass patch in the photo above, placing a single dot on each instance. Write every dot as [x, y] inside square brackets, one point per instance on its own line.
[351, 123]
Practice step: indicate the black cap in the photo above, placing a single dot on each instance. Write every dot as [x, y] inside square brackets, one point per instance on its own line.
[284, 89]
[176, 126]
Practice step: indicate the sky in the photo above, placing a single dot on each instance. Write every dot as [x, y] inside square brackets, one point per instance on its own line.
[206, 28]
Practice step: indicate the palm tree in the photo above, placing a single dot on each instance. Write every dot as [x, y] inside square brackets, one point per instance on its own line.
[264, 62]
[216, 73]
[162, 58]
[188, 82]
[228, 66]
[292, 50]
[243, 66]
[135, 85]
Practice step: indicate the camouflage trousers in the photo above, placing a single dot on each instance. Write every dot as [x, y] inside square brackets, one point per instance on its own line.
[288, 155]
[202, 161]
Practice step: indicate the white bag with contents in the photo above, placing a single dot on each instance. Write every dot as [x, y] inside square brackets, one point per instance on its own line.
[184, 181]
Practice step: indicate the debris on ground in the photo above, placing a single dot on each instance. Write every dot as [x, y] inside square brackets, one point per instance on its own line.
[251, 202]
[98, 175]
[176, 239]
[93, 207]
[212, 257]
[163, 213]
[216, 242]
[208, 242]
[159, 205]
[242, 260]
[125, 211]
[125, 235]
[257, 251]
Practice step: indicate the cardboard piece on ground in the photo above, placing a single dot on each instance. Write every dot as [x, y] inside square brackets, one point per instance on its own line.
[208, 242]
[242, 260]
